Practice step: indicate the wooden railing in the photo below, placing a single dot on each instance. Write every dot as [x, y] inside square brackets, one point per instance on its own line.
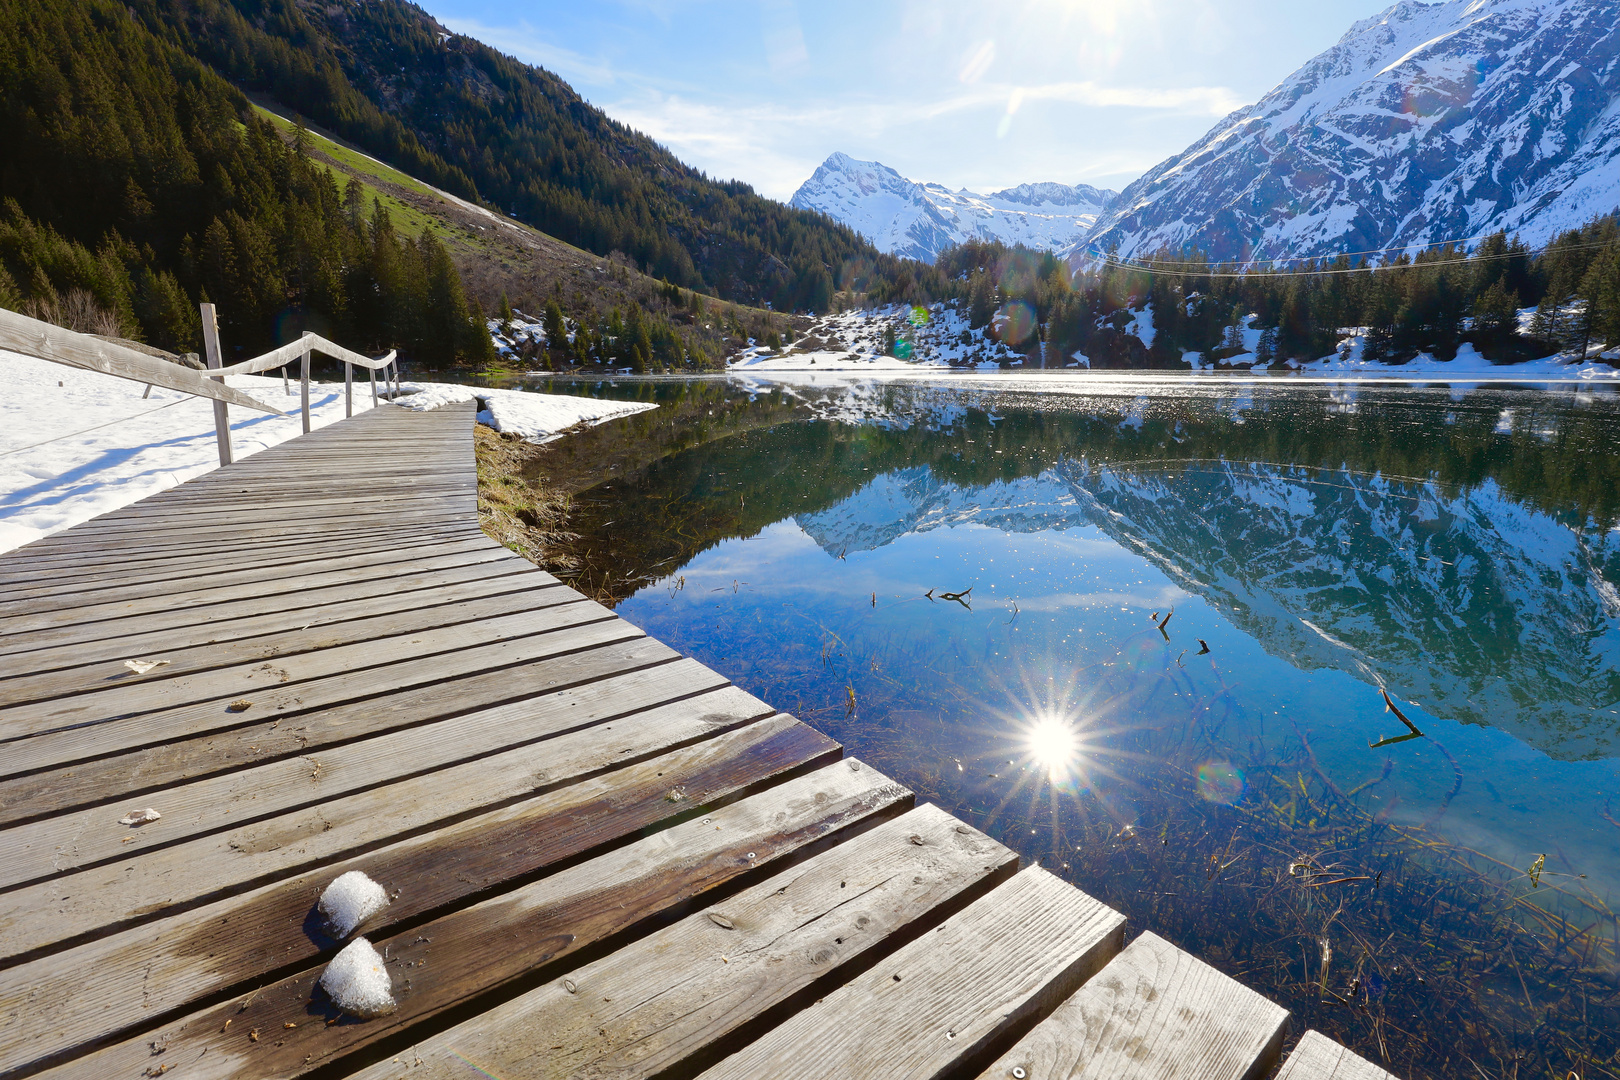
[31, 337]
[280, 358]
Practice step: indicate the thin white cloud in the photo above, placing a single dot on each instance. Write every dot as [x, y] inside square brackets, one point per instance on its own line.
[526, 43]
[766, 142]
[784, 37]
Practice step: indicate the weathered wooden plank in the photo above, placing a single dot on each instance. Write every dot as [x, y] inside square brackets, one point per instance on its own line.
[25, 564]
[247, 533]
[433, 553]
[249, 569]
[153, 634]
[223, 532]
[278, 702]
[1153, 1011]
[32, 337]
[207, 670]
[90, 574]
[200, 607]
[956, 995]
[585, 686]
[466, 952]
[686, 994]
[59, 911]
[285, 502]
[206, 656]
[1318, 1057]
[91, 834]
[153, 520]
[82, 994]
[146, 695]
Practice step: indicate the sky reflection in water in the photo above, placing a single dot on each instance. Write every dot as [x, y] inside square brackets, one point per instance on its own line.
[1307, 547]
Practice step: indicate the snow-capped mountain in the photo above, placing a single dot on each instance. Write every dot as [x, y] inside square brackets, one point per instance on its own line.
[917, 220]
[1427, 123]
[1475, 606]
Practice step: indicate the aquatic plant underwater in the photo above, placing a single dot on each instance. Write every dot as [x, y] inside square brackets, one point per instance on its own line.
[1072, 629]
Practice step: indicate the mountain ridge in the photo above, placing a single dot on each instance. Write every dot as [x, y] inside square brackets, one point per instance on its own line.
[915, 219]
[1423, 124]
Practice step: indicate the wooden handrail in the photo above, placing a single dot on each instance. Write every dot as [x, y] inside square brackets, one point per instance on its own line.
[31, 337]
[293, 350]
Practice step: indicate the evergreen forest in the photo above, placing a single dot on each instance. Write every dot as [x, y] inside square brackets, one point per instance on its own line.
[457, 114]
[1434, 302]
[138, 182]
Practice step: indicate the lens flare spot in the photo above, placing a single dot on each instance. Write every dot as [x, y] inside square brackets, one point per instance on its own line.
[1014, 323]
[1220, 782]
[919, 316]
[902, 349]
[1054, 746]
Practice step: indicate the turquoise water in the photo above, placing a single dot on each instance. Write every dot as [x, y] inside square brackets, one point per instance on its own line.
[1441, 902]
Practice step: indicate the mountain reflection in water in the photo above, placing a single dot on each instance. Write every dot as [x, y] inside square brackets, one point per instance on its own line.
[1457, 548]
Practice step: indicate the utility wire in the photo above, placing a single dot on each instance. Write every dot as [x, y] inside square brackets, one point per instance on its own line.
[1158, 268]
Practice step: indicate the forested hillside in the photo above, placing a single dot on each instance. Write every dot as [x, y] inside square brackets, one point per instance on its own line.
[456, 113]
[1149, 316]
[137, 182]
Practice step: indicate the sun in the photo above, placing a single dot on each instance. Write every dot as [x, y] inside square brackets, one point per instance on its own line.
[1054, 744]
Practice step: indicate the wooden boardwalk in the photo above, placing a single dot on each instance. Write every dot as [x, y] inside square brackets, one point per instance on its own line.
[602, 858]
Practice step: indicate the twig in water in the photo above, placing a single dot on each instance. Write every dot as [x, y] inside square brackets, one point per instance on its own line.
[1412, 731]
[1014, 614]
[1203, 647]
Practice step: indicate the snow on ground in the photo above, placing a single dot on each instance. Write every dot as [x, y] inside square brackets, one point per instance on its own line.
[536, 418]
[852, 343]
[75, 443]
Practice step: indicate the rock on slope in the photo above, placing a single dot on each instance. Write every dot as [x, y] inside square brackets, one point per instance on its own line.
[1429, 122]
[916, 220]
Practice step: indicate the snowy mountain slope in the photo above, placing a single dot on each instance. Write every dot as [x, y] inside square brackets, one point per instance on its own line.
[1478, 608]
[1429, 122]
[919, 220]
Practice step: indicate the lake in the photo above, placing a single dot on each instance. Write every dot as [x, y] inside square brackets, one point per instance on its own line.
[1143, 633]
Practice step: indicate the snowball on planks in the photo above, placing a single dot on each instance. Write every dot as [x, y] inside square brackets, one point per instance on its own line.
[349, 901]
[358, 983]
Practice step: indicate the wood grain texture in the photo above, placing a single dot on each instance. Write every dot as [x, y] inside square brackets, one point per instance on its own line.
[488, 599]
[78, 997]
[203, 609]
[467, 952]
[958, 993]
[151, 635]
[78, 704]
[31, 337]
[60, 911]
[1154, 1011]
[580, 687]
[689, 988]
[1318, 1057]
[91, 835]
[273, 699]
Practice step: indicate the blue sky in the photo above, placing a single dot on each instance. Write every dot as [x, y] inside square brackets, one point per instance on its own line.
[981, 94]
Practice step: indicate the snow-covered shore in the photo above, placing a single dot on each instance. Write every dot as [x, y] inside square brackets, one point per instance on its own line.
[75, 443]
[940, 344]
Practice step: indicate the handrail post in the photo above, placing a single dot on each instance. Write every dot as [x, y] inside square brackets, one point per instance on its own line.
[303, 376]
[222, 418]
[285, 389]
[348, 389]
[373, 372]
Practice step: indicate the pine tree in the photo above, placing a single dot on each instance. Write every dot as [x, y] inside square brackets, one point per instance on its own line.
[556, 329]
[1265, 350]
